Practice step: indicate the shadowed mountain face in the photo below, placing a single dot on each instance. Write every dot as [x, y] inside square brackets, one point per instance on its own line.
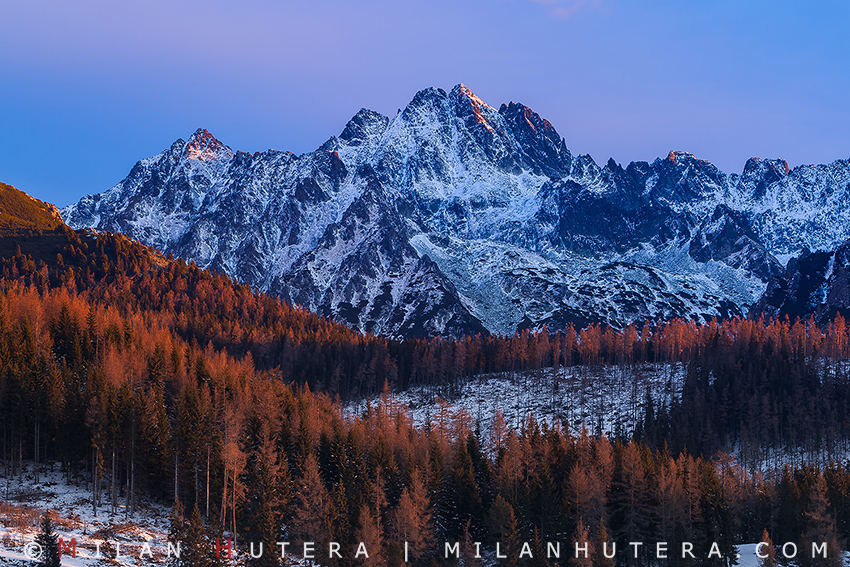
[814, 283]
[453, 217]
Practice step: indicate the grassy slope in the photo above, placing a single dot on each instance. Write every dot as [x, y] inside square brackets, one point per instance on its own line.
[19, 212]
[34, 226]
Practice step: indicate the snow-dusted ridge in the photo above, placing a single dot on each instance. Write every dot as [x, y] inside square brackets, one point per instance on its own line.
[453, 217]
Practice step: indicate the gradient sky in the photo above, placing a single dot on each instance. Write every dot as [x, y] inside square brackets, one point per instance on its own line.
[89, 87]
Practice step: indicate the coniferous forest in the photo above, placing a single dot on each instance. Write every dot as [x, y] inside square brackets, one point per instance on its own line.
[140, 374]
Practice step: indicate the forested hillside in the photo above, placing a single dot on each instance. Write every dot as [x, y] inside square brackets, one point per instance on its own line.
[125, 402]
[19, 212]
[149, 376]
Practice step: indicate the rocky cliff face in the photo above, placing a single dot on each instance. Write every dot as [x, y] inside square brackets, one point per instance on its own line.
[814, 283]
[453, 217]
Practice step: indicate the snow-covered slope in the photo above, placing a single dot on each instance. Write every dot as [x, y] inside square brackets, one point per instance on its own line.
[124, 539]
[608, 400]
[453, 217]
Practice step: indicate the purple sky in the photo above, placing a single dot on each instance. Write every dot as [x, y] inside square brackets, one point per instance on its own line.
[87, 88]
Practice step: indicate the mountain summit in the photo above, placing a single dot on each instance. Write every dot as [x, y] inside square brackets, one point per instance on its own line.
[455, 218]
[203, 146]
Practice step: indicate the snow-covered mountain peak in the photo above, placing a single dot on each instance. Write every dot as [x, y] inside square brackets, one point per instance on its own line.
[432, 99]
[584, 168]
[467, 105]
[359, 139]
[613, 166]
[364, 128]
[760, 173]
[203, 146]
[756, 165]
[464, 91]
[546, 152]
[676, 157]
[683, 181]
[534, 122]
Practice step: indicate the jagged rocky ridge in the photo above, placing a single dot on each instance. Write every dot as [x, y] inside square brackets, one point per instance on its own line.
[454, 217]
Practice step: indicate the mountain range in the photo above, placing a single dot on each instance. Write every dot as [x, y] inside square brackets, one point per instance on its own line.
[453, 218]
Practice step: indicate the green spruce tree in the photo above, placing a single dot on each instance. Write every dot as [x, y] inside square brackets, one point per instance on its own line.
[49, 542]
